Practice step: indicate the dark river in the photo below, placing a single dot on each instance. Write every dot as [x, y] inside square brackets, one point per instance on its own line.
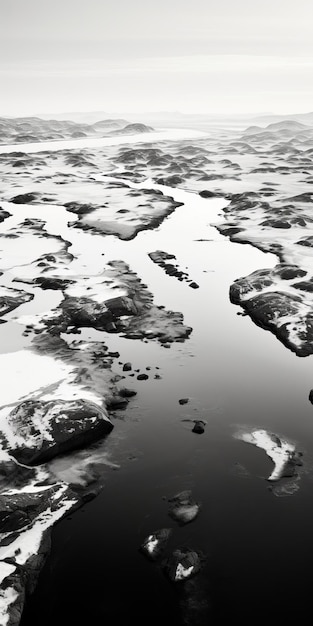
[258, 544]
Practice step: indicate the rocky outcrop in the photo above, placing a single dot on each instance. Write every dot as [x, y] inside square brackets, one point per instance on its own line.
[4, 214]
[18, 510]
[10, 299]
[161, 259]
[182, 564]
[37, 431]
[133, 314]
[25, 198]
[285, 315]
[276, 301]
[24, 547]
[82, 312]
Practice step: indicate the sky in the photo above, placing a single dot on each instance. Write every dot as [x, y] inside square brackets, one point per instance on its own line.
[193, 56]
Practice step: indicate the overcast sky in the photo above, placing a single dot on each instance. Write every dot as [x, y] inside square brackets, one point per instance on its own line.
[142, 55]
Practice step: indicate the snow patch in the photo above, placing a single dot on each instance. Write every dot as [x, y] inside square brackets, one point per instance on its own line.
[279, 450]
[183, 572]
[24, 372]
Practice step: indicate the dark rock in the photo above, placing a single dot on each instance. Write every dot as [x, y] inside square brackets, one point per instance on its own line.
[229, 231]
[111, 327]
[288, 272]
[127, 367]
[4, 214]
[151, 322]
[46, 282]
[48, 429]
[265, 307]
[207, 194]
[20, 509]
[294, 461]
[122, 305]
[254, 282]
[306, 241]
[142, 377]
[305, 285]
[155, 544]
[25, 198]
[198, 427]
[159, 256]
[183, 400]
[183, 508]
[86, 312]
[268, 309]
[182, 564]
[12, 299]
[116, 402]
[194, 285]
[103, 316]
[127, 393]
[276, 223]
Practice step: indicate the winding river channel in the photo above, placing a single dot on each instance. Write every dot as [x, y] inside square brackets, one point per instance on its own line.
[258, 542]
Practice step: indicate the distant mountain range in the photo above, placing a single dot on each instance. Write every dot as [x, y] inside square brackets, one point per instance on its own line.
[34, 129]
[285, 125]
[304, 118]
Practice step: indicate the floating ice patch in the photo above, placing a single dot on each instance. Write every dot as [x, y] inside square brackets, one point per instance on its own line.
[280, 451]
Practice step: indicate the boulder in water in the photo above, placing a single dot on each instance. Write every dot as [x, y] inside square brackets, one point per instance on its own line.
[183, 508]
[39, 431]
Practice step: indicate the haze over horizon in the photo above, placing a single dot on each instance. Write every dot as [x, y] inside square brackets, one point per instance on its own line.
[225, 58]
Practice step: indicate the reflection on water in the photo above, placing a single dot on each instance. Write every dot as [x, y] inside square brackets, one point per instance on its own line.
[234, 373]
